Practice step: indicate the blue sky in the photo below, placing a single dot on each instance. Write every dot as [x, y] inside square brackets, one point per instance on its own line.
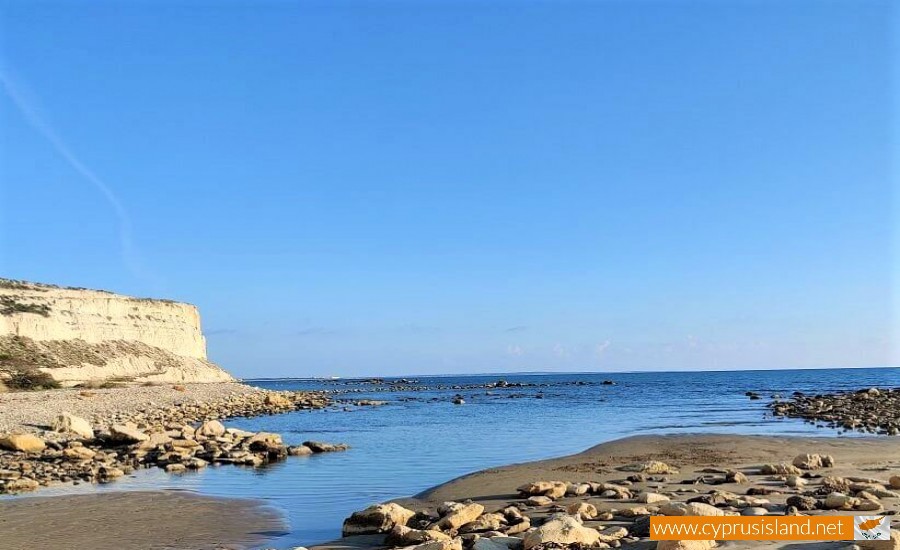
[361, 188]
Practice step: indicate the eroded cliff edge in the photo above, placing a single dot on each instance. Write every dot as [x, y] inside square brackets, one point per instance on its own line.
[79, 335]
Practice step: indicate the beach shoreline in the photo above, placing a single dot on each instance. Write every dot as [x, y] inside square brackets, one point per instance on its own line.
[699, 464]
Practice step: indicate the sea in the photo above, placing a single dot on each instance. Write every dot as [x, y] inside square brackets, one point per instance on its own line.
[419, 438]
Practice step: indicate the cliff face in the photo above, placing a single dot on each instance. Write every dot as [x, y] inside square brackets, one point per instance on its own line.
[78, 335]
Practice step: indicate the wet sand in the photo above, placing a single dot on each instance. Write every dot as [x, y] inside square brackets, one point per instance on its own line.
[145, 520]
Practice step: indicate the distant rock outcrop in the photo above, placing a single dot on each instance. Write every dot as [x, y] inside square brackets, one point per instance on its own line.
[88, 336]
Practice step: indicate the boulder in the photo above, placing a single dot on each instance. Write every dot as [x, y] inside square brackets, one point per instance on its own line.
[401, 535]
[380, 518]
[561, 529]
[754, 511]
[456, 514]
[583, 510]
[213, 428]
[813, 461]
[26, 443]
[126, 433]
[539, 500]
[650, 498]
[320, 447]
[779, 469]
[69, 423]
[652, 467]
[802, 503]
[299, 450]
[895, 482]
[689, 509]
[487, 522]
[840, 501]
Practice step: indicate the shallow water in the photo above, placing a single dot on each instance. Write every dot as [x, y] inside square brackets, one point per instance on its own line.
[405, 447]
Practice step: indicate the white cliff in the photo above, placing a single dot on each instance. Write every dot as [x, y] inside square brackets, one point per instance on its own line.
[79, 335]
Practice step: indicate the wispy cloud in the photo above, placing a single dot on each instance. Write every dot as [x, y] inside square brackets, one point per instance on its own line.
[517, 328]
[27, 105]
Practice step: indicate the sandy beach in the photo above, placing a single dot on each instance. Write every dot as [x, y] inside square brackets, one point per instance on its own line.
[700, 462]
[153, 520]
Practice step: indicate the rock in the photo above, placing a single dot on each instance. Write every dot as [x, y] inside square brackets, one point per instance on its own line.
[539, 500]
[840, 501]
[868, 505]
[456, 514]
[175, 468]
[611, 534]
[380, 518]
[299, 450]
[685, 544]
[689, 509]
[213, 428]
[650, 498]
[26, 443]
[278, 401]
[802, 503]
[551, 489]
[401, 535]
[69, 423]
[319, 447]
[652, 467]
[459, 401]
[19, 485]
[754, 511]
[126, 433]
[894, 482]
[487, 522]
[78, 454]
[813, 461]
[795, 481]
[583, 510]
[733, 476]
[561, 529]
[779, 469]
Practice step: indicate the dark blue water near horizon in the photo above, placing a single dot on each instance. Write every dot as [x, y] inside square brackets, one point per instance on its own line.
[419, 439]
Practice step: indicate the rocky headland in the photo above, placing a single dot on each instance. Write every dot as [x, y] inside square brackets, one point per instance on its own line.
[51, 335]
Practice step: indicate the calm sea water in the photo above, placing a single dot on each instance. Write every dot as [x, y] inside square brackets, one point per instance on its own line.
[413, 443]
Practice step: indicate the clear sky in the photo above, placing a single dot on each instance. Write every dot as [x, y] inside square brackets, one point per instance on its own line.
[413, 187]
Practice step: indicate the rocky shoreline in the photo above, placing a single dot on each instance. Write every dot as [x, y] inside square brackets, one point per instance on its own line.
[178, 437]
[873, 410]
[604, 498]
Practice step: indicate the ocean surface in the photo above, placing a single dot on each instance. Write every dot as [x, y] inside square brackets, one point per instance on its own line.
[420, 439]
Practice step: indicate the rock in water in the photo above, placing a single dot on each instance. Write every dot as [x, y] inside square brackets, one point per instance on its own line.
[69, 423]
[380, 518]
